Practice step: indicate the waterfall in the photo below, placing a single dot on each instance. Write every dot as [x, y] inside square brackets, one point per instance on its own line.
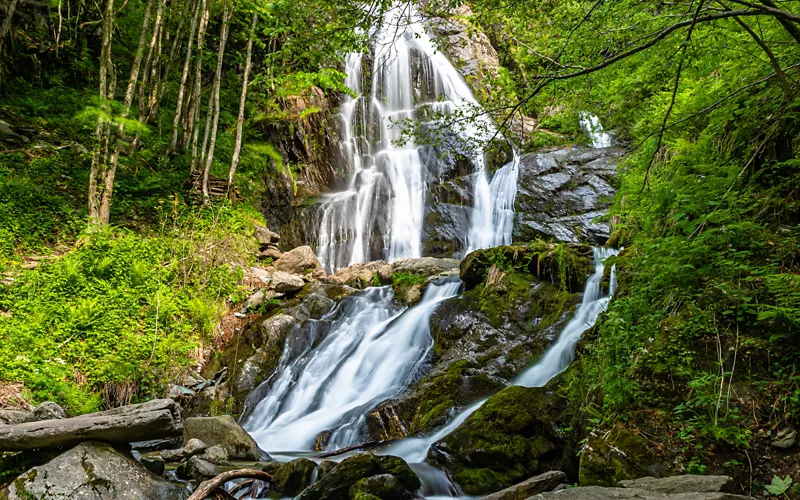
[555, 360]
[594, 129]
[380, 215]
[372, 352]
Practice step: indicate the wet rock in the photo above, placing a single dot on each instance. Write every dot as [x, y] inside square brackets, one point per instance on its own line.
[11, 417]
[610, 457]
[293, 477]
[599, 493]
[530, 487]
[94, 471]
[226, 432]
[154, 464]
[300, 260]
[176, 455]
[681, 484]
[361, 276]
[336, 483]
[383, 486]
[324, 468]
[786, 438]
[512, 436]
[193, 447]
[562, 192]
[48, 410]
[216, 455]
[196, 468]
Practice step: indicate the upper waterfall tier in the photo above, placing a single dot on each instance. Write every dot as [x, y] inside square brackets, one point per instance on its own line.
[406, 83]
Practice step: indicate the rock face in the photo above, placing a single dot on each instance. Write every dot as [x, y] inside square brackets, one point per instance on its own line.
[529, 487]
[91, 470]
[159, 418]
[509, 438]
[614, 456]
[226, 432]
[562, 191]
[337, 483]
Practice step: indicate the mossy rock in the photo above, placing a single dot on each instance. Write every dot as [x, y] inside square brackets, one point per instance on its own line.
[511, 437]
[382, 486]
[292, 477]
[610, 457]
[337, 482]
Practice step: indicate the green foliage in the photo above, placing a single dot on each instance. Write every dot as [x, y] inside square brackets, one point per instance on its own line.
[122, 308]
[779, 486]
[407, 279]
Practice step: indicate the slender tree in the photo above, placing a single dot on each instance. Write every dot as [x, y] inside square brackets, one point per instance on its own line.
[237, 145]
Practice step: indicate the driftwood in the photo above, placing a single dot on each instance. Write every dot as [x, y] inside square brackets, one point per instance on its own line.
[363, 446]
[160, 418]
[208, 487]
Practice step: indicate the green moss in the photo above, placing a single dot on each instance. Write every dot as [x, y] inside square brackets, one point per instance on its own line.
[608, 458]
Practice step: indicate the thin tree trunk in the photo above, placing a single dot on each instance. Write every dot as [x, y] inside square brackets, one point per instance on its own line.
[184, 78]
[106, 91]
[195, 116]
[784, 82]
[6, 27]
[226, 20]
[237, 144]
[110, 173]
[149, 63]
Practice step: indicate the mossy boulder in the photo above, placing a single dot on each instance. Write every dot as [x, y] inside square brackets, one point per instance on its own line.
[382, 486]
[511, 437]
[292, 477]
[610, 457]
[226, 432]
[337, 482]
[565, 265]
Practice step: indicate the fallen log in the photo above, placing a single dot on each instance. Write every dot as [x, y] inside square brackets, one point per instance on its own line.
[361, 446]
[207, 487]
[160, 418]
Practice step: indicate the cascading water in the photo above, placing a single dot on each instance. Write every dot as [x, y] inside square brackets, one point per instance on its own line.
[381, 213]
[556, 359]
[591, 124]
[372, 352]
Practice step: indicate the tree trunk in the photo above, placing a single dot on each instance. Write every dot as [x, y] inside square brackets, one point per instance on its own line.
[110, 172]
[787, 25]
[6, 27]
[100, 150]
[150, 64]
[184, 78]
[195, 116]
[226, 20]
[237, 145]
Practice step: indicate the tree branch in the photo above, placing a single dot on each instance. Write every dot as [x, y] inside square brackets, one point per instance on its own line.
[207, 487]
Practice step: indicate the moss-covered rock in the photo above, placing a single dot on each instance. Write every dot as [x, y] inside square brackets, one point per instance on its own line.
[383, 486]
[511, 437]
[609, 457]
[292, 477]
[337, 483]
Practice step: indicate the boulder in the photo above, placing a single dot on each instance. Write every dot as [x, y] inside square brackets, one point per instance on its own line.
[196, 468]
[786, 438]
[324, 468]
[530, 487]
[300, 260]
[383, 486]
[193, 447]
[255, 301]
[336, 483]
[11, 417]
[158, 418]
[599, 493]
[293, 477]
[216, 455]
[359, 276]
[226, 432]
[154, 464]
[92, 470]
[610, 457]
[424, 266]
[172, 455]
[265, 236]
[283, 282]
[681, 484]
[48, 410]
[512, 436]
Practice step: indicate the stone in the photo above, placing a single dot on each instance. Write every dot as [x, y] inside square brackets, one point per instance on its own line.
[786, 438]
[176, 392]
[512, 436]
[383, 486]
[300, 260]
[424, 266]
[226, 432]
[336, 483]
[293, 477]
[324, 468]
[92, 470]
[172, 455]
[154, 464]
[159, 418]
[270, 253]
[216, 455]
[283, 282]
[688, 483]
[532, 486]
[258, 299]
[196, 468]
[362, 275]
[49, 410]
[265, 236]
[11, 417]
[193, 447]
